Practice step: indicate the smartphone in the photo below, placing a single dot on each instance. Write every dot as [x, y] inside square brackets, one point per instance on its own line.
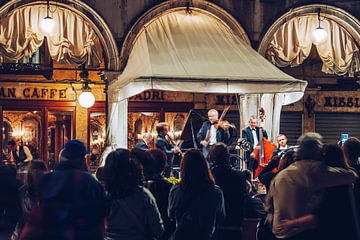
[344, 137]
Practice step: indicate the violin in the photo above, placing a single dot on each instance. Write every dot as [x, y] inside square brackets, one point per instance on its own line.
[224, 124]
[264, 150]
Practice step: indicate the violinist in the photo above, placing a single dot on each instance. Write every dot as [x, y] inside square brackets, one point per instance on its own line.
[251, 134]
[212, 131]
[164, 143]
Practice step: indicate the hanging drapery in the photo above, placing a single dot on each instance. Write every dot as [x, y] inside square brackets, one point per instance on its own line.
[195, 53]
[73, 41]
[292, 43]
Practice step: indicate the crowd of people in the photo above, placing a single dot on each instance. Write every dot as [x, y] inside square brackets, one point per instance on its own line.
[313, 192]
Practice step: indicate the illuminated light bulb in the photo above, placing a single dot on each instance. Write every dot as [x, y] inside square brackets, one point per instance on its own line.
[47, 25]
[319, 35]
[86, 99]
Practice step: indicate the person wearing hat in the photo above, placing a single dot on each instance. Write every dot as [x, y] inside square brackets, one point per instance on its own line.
[72, 203]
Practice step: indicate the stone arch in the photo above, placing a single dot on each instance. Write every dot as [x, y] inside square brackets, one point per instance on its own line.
[169, 6]
[338, 15]
[111, 55]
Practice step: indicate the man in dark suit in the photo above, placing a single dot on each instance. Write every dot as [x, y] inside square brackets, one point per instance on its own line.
[164, 145]
[144, 143]
[251, 134]
[208, 134]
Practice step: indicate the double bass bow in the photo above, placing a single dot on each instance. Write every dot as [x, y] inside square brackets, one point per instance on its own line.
[264, 150]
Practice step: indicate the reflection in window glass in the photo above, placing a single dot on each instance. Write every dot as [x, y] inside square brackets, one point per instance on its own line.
[59, 132]
[97, 137]
[176, 122]
[23, 127]
[140, 123]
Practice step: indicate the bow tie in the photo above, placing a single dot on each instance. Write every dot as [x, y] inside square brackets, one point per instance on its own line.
[253, 129]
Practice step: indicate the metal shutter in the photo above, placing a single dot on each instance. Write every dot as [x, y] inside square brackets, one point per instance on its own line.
[331, 125]
[291, 126]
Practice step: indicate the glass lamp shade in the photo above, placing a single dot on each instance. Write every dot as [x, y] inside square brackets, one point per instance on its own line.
[319, 35]
[47, 25]
[86, 99]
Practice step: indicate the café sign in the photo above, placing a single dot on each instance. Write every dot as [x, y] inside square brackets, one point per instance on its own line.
[349, 102]
[33, 93]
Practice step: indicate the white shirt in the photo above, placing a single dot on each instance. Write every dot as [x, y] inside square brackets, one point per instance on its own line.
[256, 140]
[212, 139]
[27, 152]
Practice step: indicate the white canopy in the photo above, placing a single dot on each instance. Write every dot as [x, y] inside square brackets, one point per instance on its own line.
[194, 53]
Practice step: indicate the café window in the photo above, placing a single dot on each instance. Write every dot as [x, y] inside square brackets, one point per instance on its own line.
[144, 116]
[23, 127]
[40, 126]
[59, 131]
[97, 137]
[140, 123]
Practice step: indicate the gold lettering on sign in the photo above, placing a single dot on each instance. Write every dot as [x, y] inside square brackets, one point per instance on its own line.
[32, 93]
[156, 96]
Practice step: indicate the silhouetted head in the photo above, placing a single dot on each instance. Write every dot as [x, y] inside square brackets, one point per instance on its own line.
[159, 160]
[195, 174]
[310, 147]
[219, 154]
[122, 173]
[73, 154]
[333, 156]
[352, 151]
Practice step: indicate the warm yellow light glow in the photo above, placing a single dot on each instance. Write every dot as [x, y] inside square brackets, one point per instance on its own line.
[86, 99]
[47, 25]
[319, 35]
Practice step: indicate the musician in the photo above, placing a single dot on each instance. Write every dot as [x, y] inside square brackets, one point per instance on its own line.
[210, 133]
[19, 154]
[251, 134]
[145, 142]
[282, 148]
[164, 143]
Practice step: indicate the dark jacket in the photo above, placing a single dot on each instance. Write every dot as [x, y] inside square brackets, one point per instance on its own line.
[336, 214]
[164, 145]
[221, 135]
[142, 145]
[134, 217]
[357, 191]
[72, 206]
[247, 134]
[160, 188]
[233, 185]
[197, 214]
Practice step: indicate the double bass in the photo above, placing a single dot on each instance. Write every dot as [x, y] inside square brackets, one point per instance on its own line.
[265, 149]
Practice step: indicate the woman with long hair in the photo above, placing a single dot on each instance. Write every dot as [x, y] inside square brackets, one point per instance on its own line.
[196, 203]
[133, 211]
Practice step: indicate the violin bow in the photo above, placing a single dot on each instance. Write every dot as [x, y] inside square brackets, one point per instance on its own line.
[224, 112]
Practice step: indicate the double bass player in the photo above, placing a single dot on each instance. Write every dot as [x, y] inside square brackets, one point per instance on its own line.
[252, 135]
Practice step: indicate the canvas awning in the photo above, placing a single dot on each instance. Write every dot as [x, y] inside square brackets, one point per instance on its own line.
[195, 53]
[198, 53]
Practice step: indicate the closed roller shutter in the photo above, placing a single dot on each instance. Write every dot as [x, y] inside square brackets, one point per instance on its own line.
[331, 125]
[291, 126]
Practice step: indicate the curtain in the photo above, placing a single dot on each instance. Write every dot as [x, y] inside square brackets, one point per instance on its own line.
[272, 103]
[291, 45]
[117, 131]
[73, 41]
